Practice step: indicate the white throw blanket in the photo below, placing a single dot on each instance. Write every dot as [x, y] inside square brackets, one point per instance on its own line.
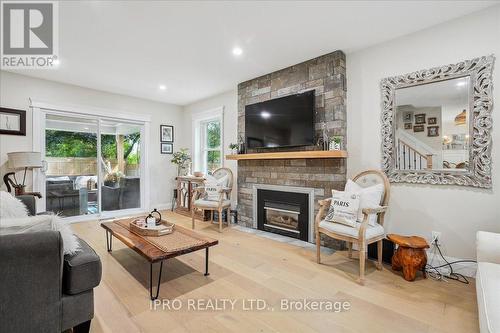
[14, 219]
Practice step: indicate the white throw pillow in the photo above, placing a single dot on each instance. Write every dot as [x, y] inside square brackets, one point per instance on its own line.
[40, 223]
[370, 197]
[344, 208]
[10, 207]
[213, 186]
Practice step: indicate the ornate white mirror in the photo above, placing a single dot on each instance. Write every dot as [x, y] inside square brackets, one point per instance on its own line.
[436, 125]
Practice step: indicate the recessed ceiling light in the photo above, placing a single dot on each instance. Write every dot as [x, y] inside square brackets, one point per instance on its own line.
[162, 87]
[237, 51]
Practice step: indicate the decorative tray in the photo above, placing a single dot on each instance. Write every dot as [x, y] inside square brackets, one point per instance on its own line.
[139, 226]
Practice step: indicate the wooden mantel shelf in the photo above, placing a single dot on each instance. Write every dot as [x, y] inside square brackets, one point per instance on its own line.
[290, 155]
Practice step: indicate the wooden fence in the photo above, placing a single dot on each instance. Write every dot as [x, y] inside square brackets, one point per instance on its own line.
[75, 166]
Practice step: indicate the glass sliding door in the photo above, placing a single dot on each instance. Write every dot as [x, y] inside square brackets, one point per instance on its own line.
[93, 165]
[71, 148]
[120, 165]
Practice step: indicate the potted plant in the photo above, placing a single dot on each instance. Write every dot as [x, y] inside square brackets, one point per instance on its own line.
[182, 159]
[234, 148]
[112, 179]
[336, 143]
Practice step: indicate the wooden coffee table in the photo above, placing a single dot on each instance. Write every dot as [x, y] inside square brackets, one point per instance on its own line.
[158, 249]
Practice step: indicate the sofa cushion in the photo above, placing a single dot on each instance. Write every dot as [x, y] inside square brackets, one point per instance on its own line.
[488, 296]
[370, 232]
[82, 271]
[211, 204]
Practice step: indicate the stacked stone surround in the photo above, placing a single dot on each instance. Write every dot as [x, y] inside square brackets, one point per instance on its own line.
[326, 76]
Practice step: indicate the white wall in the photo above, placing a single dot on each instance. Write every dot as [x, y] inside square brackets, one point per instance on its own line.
[15, 91]
[458, 212]
[228, 100]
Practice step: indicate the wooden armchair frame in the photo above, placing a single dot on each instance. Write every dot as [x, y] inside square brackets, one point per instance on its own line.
[224, 193]
[361, 240]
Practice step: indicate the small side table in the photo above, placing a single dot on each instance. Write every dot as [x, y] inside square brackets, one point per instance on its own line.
[410, 256]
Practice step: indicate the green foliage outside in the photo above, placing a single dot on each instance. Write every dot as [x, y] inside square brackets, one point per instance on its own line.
[213, 132]
[76, 144]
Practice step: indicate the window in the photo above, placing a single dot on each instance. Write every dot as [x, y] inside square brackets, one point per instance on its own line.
[208, 145]
[211, 145]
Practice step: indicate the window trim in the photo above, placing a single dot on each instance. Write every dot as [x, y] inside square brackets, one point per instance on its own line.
[198, 119]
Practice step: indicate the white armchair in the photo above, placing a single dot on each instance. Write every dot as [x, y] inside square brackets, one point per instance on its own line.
[224, 202]
[366, 233]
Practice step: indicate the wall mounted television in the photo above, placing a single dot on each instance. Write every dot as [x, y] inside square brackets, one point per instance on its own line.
[281, 122]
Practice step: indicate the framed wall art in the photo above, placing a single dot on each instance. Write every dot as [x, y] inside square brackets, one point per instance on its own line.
[166, 133]
[12, 121]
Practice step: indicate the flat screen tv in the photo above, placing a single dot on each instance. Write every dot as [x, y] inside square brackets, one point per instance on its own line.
[281, 122]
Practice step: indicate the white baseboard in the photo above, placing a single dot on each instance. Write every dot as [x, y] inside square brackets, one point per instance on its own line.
[464, 268]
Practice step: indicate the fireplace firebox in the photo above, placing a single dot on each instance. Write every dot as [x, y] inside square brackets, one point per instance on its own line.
[284, 213]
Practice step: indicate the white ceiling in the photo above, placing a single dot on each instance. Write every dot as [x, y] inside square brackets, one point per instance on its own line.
[131, 47]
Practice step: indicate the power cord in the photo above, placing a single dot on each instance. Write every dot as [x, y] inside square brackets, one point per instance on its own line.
[434, 271]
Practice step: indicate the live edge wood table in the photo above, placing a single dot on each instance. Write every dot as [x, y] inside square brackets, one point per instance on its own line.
[158, 249]
[410, 255]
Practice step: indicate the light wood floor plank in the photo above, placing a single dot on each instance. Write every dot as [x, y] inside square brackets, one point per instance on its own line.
[246, 266]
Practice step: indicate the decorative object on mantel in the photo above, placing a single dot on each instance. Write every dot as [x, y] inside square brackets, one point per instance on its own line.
[326, 141]
[167, 133]
[242, 146]
[12, 122]
[471, 82]
[335, 143]
[410, 256]
[235, 148]
[18, 161]
[182, 159]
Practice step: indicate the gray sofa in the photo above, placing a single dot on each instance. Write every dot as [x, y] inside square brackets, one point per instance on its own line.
[42, 290]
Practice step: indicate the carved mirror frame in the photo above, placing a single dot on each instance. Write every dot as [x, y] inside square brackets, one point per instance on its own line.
[478, 174]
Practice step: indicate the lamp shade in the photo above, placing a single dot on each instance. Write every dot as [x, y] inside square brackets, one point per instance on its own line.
[25, 159]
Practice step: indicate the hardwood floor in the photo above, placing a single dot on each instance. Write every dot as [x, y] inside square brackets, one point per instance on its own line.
[245, 266]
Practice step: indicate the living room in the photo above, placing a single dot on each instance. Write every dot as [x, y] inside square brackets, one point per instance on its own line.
[249, 166]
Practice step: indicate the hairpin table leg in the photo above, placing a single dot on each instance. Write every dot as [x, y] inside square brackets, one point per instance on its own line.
[151, 281]
[109, 241]
[206, 262]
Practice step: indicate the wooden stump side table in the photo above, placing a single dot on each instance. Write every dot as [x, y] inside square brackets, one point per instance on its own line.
[410, 256]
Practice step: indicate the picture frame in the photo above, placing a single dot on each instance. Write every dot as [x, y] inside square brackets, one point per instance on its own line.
[432, 131]
[408, 116]
[167, 133]
[420, 118]
[408, 126]
[418, 128]
[432, 120]
[166, 148]
[12, 121]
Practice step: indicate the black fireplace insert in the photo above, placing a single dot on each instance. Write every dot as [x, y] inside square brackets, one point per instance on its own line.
[284, 213]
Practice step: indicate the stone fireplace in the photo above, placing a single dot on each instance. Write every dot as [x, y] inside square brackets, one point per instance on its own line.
[312, 177]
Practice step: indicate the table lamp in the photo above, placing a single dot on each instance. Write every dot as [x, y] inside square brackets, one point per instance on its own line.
[18, 161]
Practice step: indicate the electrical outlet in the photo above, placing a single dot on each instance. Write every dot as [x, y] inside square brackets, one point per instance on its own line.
[436, 237]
